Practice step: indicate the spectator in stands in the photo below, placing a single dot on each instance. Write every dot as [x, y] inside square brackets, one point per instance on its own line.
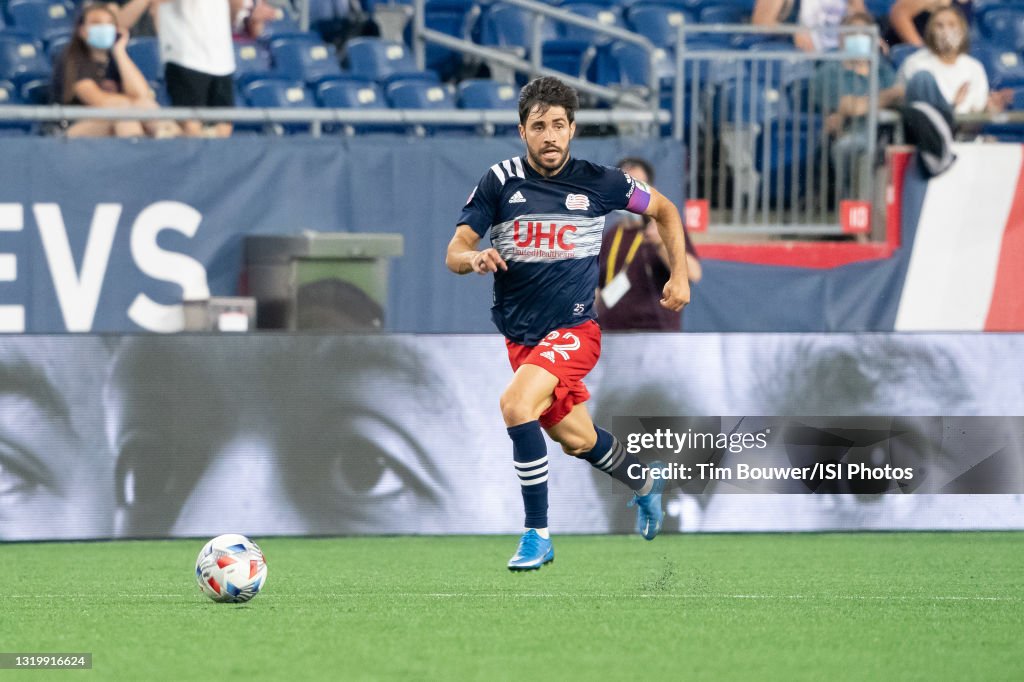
[196, 42]
[820, 16]
[907, 18]
[633, 267]
[95, 70]
[842, 91]
[943, 74]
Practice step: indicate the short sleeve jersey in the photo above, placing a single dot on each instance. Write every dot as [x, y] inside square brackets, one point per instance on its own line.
[548, 230]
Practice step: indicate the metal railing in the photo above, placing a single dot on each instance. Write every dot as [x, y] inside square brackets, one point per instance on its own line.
[317, 118]
[755, 123]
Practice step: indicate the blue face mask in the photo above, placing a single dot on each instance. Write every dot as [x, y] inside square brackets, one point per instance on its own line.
[857, 45]
[102, 36]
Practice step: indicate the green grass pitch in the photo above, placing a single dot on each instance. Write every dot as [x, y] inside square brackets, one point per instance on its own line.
[915, 606]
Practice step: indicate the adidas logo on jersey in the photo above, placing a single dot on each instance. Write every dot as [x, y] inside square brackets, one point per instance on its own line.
[549, 355]
[517, 198]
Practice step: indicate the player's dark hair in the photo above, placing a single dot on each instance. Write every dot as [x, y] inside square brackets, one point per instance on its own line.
[637, 162]
[545, 93]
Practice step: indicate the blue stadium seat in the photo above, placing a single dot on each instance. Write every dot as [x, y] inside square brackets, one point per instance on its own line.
[658, 23]
[572, 57]
[298, 60]
[252, 62]
[791, 150]
[630, 65]
[278, 93]
[35, 91]
[283, 25]
[454, 18]
[145, 52]
[55, 47]
[275, 93]
[511, 27]
[1004, 67]
[417, 94]
[480, 93]
[610, 16]
[351, 93]
[899, 53]
[724, 14]
[379, 60]
[1003, 27]
[43, 19]
[8, 94]
[21, 58]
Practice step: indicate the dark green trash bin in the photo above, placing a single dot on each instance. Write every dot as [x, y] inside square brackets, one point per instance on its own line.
[320, 280]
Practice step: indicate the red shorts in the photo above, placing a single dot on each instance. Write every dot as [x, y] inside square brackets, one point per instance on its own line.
[569, 353]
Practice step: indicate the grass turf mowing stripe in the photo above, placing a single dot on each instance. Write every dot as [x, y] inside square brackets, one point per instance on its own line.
[846, 606]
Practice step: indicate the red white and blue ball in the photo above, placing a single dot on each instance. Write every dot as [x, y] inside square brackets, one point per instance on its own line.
[231, 568]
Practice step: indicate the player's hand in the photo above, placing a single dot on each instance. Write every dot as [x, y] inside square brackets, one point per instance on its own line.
[487, 261]
[676, 294]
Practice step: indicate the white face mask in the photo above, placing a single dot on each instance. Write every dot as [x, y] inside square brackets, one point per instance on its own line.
[857, 45]
[948, 40]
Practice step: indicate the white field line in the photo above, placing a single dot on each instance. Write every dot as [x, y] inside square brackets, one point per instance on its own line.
[540, 595]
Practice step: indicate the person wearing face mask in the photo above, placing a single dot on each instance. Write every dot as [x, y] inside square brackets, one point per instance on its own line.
[96, 71]
[907, 18]
[943, 74]
[634, 266]
[841, 92]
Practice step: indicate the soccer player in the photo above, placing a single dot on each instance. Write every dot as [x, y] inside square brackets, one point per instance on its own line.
[546, 212]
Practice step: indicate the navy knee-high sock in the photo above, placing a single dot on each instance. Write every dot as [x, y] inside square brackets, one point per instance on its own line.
[609, 456]
[530, 453]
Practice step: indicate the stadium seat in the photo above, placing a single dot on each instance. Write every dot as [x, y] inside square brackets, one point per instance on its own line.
[605, 15]
[454, 18]
[35, 91]
[379, 60]
[278, 93]
[55, 47]
[252, 62]
[299, 60]
[350, 93]
[275, 93]
[40, 18]
[1004, 67]
[21, 58]
[8, 94]
[511, 28]
[145, 52]
[417, 94]
[899, 53]
[1002, 27]
[630, 65]
[658, 23]
[724, 14]
[487, 94]
[572, 57]
[283, 25]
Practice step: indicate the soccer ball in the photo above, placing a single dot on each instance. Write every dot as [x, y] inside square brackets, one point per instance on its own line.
[231, 568]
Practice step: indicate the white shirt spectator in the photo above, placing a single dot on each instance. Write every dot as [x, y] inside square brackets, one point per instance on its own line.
[196, 34]
[951, 77]
[823, 17]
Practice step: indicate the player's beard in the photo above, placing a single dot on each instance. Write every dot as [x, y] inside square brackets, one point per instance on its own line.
[550, 168]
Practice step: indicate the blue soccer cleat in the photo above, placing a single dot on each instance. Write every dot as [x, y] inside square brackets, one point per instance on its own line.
[649, 515]
[533, 552]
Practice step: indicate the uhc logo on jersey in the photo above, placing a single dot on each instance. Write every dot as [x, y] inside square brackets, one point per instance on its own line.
[533, 238]
[543, 235]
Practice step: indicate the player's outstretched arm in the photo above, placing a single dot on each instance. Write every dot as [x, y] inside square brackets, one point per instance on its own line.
[676, 293]
[463, 258]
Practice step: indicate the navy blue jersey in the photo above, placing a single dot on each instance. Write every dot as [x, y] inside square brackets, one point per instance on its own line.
[548, 230]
